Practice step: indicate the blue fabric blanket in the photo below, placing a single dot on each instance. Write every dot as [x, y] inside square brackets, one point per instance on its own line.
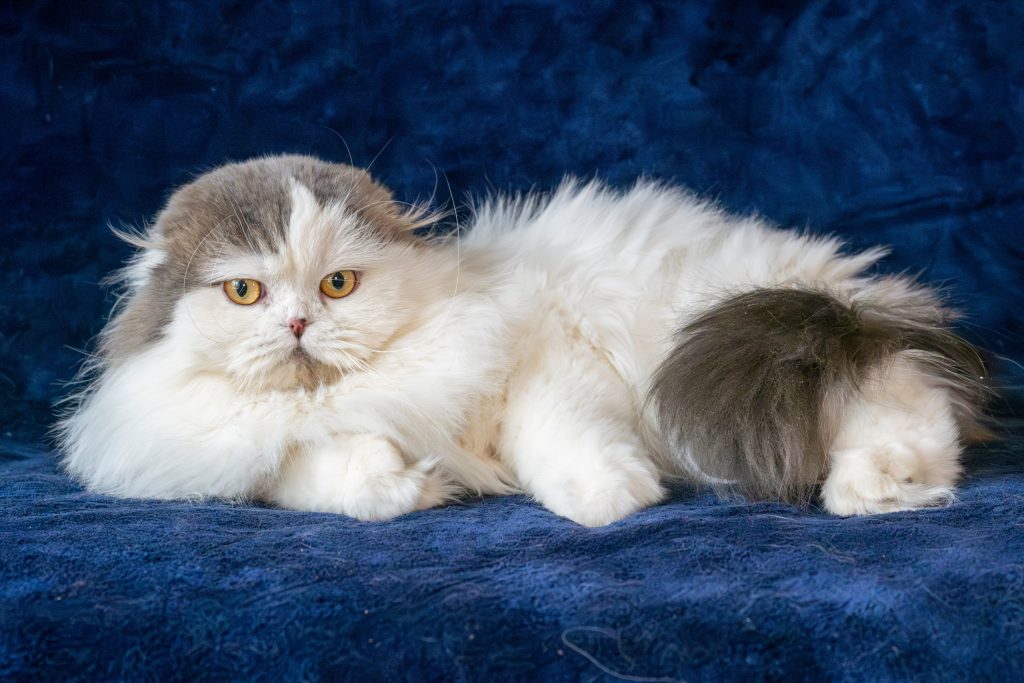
[896, 123]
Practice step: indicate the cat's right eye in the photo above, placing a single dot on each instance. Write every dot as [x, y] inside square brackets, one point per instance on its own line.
[244, 291]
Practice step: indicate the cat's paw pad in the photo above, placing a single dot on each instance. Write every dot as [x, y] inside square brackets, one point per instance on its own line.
[606, 491]
[885, 478]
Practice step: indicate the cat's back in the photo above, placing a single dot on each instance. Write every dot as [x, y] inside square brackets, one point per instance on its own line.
[586, 225]
[650, 245]
[623, 269]
[596, 269]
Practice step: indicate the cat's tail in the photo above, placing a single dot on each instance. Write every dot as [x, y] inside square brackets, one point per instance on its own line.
[751, 395]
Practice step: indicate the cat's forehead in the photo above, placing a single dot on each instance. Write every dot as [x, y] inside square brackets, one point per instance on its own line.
[264, 207]
[316, 237]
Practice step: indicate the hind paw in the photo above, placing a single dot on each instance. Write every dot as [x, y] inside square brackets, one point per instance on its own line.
[884, 478]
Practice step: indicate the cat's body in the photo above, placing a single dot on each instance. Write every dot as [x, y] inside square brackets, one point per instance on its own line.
[565, 347]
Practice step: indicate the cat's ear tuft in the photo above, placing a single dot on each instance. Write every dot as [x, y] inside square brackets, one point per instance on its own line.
[359, 193]
[377, 204]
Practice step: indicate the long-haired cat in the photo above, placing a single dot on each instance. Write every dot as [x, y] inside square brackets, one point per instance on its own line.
[284, 335]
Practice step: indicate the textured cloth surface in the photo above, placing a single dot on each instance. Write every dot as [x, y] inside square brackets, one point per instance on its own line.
[693, 589]
[895, 123]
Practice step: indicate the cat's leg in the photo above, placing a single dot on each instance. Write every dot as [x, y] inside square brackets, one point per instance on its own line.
[897, 447]
[570, 436]
[359, 475]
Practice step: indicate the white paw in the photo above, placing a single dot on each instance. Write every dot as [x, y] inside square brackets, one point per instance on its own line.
[607, 488]
[885, 478]
[362, 476]
[378, 485]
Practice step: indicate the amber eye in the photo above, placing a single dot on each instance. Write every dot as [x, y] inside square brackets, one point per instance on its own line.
[243, 291]
[339, 284]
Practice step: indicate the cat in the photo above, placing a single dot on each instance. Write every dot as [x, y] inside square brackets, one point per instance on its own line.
[286, 334]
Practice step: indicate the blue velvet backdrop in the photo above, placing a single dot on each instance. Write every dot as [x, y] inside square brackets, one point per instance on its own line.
[897, 123]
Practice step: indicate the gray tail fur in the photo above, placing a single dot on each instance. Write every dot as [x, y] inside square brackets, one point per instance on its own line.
[751, 388]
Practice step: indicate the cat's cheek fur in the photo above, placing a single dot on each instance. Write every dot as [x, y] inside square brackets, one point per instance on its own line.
[223, 337]
[155, 429]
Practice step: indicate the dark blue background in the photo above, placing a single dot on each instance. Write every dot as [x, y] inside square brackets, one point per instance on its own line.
[896, 123]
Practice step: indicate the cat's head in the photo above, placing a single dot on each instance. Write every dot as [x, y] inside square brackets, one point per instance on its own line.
[277, 272]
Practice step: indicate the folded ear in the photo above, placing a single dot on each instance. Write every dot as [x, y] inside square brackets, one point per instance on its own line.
[377, 204]
[360, 193]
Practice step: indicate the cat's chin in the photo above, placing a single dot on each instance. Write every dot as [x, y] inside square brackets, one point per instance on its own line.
[299, 370]
[309, 373]
[301, 356]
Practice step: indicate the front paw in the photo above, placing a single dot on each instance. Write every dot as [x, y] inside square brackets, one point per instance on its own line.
[603, 489]
[362, 476]
[377, 484]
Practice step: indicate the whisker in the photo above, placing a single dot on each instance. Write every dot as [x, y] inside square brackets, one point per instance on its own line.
[184, 277]
[377, 156]
[344, 142]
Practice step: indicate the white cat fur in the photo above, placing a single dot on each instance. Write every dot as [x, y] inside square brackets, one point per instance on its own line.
[518, 358]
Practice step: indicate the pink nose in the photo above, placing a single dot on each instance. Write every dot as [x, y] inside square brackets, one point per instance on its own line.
[298, 326]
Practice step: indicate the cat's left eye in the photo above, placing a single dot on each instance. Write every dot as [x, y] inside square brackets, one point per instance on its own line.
[339, 284]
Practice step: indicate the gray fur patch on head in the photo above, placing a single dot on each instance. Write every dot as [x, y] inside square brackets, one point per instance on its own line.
[754, 386]
[244, 206]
